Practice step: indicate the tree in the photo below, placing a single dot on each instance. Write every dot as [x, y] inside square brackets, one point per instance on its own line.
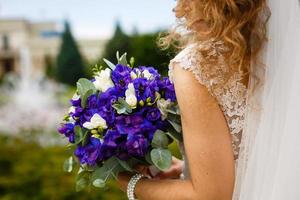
[119, 42]
[69, 64]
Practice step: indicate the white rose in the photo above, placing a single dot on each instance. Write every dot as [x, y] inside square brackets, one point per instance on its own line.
[130, 95]
[147, 74]
[103, 80]
[96, 122]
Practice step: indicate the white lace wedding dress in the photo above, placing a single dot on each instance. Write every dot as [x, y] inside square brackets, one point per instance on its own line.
[231, 95]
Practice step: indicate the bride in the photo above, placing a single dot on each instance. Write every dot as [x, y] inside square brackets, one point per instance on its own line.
[228, 88]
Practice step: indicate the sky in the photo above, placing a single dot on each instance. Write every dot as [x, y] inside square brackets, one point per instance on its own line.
[95, 18]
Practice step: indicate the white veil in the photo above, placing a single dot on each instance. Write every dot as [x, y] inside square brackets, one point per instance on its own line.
[269, 163]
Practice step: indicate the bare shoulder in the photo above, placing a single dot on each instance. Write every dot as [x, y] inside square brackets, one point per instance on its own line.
[195, 101]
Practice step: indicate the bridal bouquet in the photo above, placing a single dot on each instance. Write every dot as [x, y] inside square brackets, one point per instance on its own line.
[124, 116]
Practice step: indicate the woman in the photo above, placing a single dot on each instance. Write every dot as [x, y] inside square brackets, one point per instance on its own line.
[211, 78]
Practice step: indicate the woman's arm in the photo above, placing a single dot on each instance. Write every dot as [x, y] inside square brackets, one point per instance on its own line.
[207, 144]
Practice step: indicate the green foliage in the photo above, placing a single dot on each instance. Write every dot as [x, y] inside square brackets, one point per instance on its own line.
[160, 140]
[119, 42]
[50, 66]
[69, 64]
[31, 172]
[85, 88]
[142, 47]
[161, 158]
[122, 107]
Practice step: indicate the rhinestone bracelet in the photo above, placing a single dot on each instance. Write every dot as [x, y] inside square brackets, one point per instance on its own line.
[131, 185]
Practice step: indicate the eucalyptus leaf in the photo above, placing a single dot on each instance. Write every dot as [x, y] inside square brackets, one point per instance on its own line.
[82, 180]
[125, 165]
[78, 134]
[69, 164]
[85, 137]
[123, 60]
[119, 108]
[82, 183]
[175, 125]
[148, 158]
[160, 140]
[85, 97]
[161, 158]
[125, 104]
[99, 183]
[109, 64]
[174, 134]
[84, 85]
[109, 170]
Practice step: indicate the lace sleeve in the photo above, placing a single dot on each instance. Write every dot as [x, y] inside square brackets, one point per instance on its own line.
[209, 75]
[222, 83]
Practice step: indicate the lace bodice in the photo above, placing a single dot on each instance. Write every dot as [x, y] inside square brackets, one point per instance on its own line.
[230, 93]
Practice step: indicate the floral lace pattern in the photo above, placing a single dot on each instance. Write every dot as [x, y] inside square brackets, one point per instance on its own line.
[231, 95]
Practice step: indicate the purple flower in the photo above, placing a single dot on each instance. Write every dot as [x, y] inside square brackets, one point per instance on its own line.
[89, 153]
[153, 114]
[75, 102]
[111, 138]
[68, 130]
[168, 89]
[129, 124]
[121, 75]
[137, 145]
[152, 71]
[145, 89]
[111, 144]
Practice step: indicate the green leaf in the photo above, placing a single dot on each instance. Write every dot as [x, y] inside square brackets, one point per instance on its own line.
[161, 158]
[131, 61]
[119, 108]
[175, 125]
[160, 140]
[85, 137]
[84, 85]
[123, 60]
[69, 164]
[82, 180]
[118, 55]
[125, 104]
[99, 183]
[148, 158]
[85, 88]
[109, 170]
[174, 134]
[109, 64]
[125, 165]
[85, 97]
[78, 134]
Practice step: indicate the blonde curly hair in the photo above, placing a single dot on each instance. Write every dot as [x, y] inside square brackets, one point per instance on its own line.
[238, 23]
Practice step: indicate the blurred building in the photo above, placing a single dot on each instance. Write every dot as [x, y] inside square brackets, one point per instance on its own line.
[43, 41]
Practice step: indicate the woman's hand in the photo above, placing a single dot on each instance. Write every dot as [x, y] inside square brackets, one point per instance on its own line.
[174, 171]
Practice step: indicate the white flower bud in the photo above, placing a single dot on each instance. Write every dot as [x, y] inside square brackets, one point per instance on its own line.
[130, 95]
